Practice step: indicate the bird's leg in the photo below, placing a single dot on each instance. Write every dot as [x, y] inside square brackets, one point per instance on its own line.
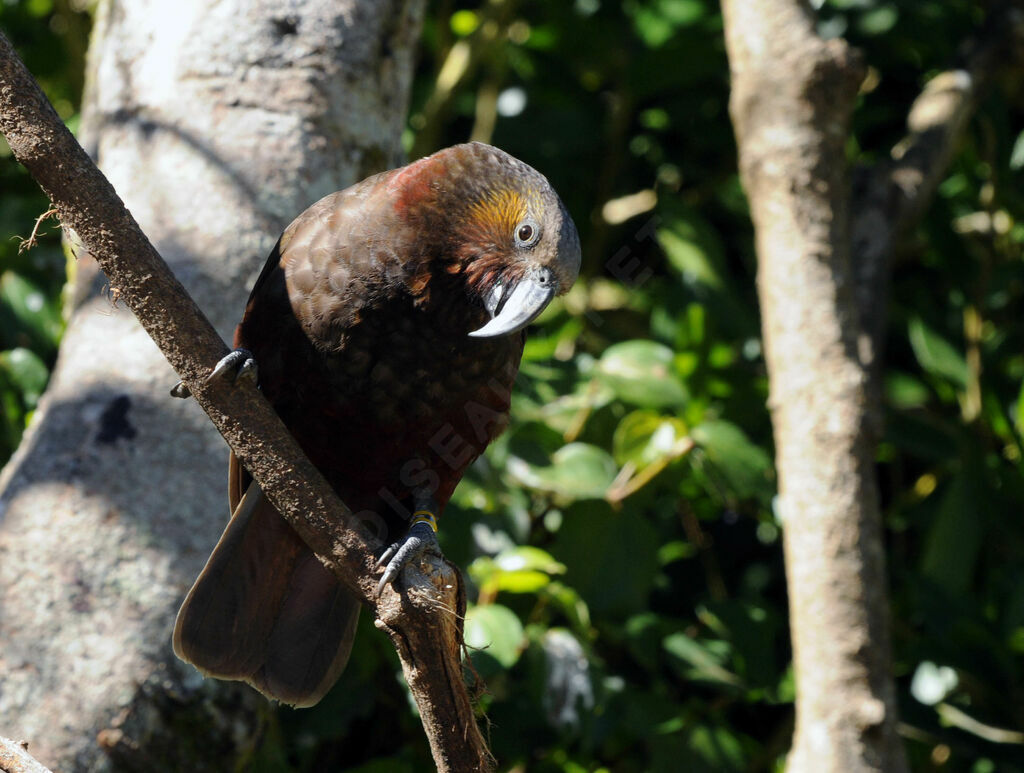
[239, 363]
[420, 538]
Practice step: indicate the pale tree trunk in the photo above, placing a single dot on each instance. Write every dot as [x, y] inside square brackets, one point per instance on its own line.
[822, 281]
[792, 97]
[216, 124]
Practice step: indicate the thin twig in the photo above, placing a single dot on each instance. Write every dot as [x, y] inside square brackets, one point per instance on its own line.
[33, 238]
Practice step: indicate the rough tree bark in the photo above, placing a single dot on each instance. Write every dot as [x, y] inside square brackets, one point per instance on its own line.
[823, 248]
[216, 123]
[14, 758]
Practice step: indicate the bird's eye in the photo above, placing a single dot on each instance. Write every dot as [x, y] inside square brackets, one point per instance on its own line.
[527, 233]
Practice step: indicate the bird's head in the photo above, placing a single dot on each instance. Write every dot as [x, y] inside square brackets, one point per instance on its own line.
[509, 234]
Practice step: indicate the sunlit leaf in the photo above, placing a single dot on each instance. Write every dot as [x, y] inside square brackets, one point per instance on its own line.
[644, 437]
[36, 314]
[521, 569]
[576, 471]
[496, 630]
[521, 581]
[565, 410]
[523, 557]
[703, 660]
[1017, 154]
[642, 372]
[26, 372]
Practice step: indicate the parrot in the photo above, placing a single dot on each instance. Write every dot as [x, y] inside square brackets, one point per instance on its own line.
[386, 329]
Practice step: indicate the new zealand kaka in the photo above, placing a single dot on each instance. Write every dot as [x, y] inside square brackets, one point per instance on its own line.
[387, 326]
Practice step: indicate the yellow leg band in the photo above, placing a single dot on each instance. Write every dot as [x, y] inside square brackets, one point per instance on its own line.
[424, 516]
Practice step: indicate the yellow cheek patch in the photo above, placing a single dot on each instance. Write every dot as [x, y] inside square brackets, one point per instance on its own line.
[501, 211]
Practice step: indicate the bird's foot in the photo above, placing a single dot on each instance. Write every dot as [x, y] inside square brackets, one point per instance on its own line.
[238, 363]
[421, 538]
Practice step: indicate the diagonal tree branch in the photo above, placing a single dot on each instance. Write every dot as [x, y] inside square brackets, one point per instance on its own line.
[14, 758]
[425, 622]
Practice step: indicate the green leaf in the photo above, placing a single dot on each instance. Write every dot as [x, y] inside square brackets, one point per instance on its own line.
[562, 411]
[571, 604]
[878, 21]
[542, 346]
[642, 372]
[700, 660]
[1018, 418]
[39, 8]
[702, 749]
[531, 443]
[905, 391]
[522, 581]
[496, 630]
[527, 557]
[746, 467]
[1017, 154]
[676, 550]
[522, 569]
[611, 558]
[26, 372]
[693, 252]
[36, 315]
[644, 634]
[657, 22]
[953, 542]
[752, 631]
[577, 471]
[644, 437]
[936, 355]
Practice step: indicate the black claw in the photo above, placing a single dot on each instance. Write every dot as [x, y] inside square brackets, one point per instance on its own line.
[240, 362]
[419, 539]
[180, 390]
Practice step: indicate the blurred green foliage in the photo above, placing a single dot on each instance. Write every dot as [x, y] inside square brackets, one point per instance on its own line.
[628, 606]
[50, 36]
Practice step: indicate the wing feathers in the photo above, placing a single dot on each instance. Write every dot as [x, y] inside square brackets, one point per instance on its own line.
[264, 610]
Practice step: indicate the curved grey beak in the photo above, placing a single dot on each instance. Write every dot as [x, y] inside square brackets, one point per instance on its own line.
[523, 305]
